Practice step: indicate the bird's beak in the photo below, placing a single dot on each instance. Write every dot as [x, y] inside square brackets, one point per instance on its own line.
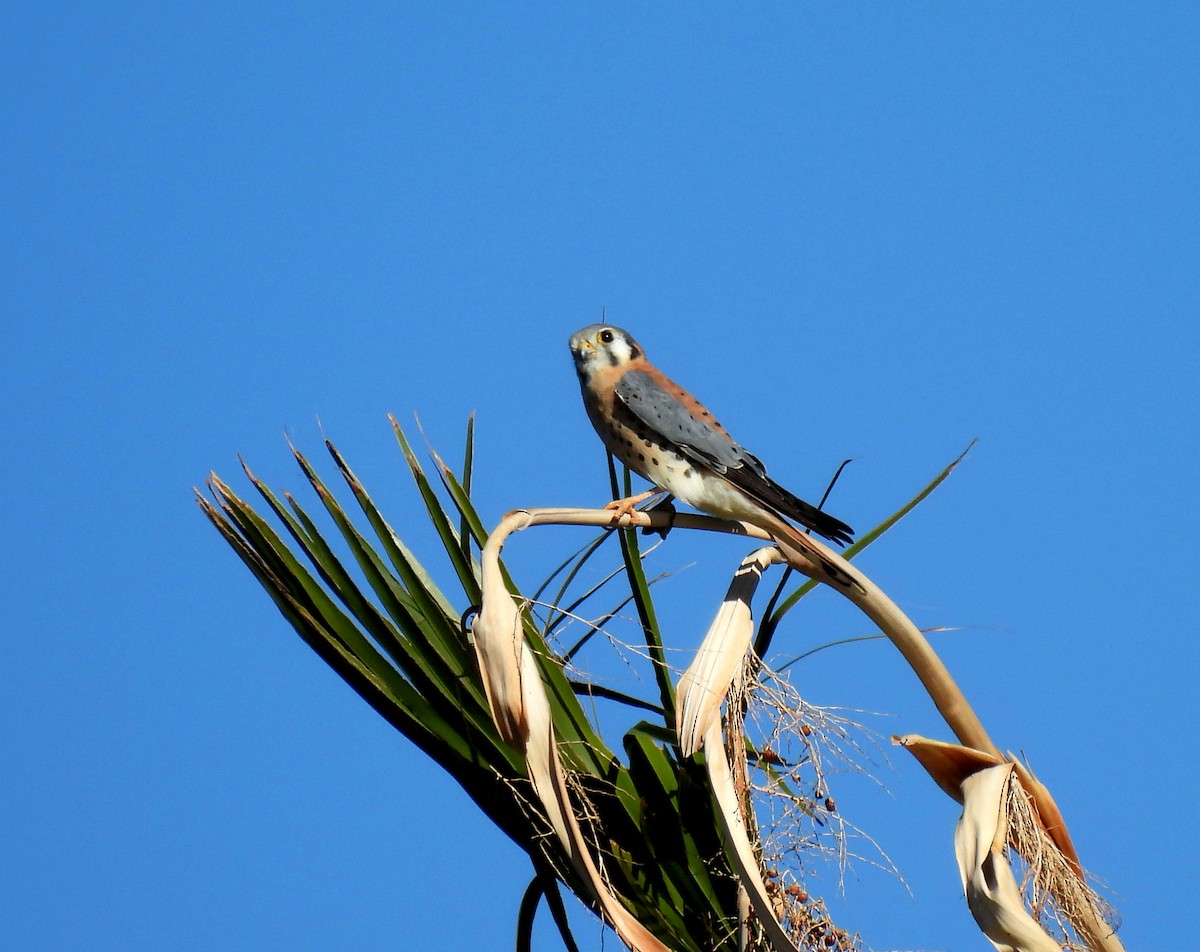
[582, 350]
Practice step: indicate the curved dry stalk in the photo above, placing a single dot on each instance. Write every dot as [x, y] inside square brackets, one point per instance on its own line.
[698, 724]
[865, 594]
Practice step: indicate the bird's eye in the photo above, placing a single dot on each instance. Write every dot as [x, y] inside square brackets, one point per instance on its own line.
[607, 337]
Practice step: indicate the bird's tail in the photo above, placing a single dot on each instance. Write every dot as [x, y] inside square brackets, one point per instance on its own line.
[833, 566]
[763, 490]
[821, 522]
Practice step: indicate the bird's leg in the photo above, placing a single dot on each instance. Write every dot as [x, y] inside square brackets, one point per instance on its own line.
[664, 505]
[623, 507]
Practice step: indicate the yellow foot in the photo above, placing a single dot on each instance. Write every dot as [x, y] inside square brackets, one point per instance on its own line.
[623, 507]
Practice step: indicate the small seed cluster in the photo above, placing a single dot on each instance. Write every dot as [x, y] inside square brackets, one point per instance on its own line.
[807, 920]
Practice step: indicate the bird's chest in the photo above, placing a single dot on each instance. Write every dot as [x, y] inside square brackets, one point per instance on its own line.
[647, 452]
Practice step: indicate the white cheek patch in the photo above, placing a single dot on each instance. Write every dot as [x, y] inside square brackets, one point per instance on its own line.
[619, 352]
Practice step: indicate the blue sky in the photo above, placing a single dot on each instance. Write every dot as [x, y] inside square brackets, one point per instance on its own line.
[874, 231]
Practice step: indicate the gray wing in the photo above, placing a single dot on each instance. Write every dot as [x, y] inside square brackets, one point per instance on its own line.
[662, 412]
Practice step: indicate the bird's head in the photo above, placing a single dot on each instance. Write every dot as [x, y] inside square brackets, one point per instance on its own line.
[598, 346]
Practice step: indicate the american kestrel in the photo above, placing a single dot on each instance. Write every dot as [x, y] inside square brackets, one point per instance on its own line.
[658, 429]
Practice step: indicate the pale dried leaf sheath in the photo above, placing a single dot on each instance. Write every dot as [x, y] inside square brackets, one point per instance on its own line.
[979, 781]
[703, 687]
[500, 648]
[953, 767]
[521, 711]
[733, 825]
[991, 889]
[948, 764]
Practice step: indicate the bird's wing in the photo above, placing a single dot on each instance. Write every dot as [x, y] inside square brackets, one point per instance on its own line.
[704, 442]
[766, 492]
[665, 414]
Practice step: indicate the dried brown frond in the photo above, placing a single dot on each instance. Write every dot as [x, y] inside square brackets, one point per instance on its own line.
[1055, 893]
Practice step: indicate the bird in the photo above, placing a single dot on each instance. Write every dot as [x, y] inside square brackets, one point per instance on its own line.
[662, 432]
